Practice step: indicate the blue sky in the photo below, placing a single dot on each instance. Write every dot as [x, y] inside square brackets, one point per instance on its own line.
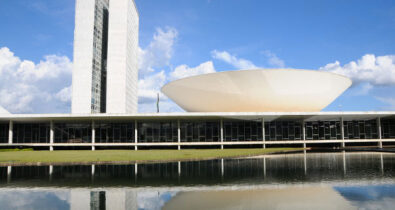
[181, 38]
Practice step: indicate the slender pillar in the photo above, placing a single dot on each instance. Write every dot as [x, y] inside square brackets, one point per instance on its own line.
[10, 132]
[222, 169]
[264, 166]
[304, 133]
[9, 170]
[135, 172]
[342, 132]
[51, 135]
[50, 172]
[222, 134]
[93, 135]
[305, 162]
[93, 170]
[135, 136]
[263, 133]
[379, 132]
[179, 168]
[179, 134]
[344, 163]
[381, 163]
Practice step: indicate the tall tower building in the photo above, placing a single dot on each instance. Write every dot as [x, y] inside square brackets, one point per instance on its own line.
[105, 72]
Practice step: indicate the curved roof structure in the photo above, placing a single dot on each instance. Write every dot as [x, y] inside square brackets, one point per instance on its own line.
[260, 90]
[3, 111]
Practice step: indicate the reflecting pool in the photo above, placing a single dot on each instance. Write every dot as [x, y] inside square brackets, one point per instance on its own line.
[284, 181]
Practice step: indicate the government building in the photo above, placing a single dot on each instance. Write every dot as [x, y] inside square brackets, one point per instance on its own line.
[245, 108]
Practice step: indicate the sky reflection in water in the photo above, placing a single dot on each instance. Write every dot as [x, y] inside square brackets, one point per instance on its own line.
[297, 181]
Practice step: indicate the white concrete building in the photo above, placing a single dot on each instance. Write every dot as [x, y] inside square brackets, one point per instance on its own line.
[258, 90]
[105, 72]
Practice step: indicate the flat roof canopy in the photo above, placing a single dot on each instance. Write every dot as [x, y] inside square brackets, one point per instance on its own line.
[267, 116]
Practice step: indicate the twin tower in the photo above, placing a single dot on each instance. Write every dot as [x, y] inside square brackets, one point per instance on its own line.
[105, 72]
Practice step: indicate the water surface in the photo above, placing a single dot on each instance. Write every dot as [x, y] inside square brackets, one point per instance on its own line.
[286, 181]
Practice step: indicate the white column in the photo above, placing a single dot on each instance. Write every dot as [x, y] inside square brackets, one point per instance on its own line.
[304, 133]
[264, 167]
[135, 169]
[179, 168]
[93, 135]
[135, 136]
[305, 162]
[344, 163]
[10, 132]
[342, 131]
[9, 170]
[222, 168]
[222, 133]
[381, 163]
[50, 172]
[179, 134]
[379, 132]
[51, 135]
[263, 133]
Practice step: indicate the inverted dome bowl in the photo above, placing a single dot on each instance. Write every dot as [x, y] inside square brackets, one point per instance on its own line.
[261, 90]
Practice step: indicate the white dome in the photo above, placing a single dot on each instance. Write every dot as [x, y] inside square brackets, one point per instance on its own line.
[261, 90]
[3, 111]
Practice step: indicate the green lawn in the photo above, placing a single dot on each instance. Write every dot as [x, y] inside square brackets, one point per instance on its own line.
[103, 156]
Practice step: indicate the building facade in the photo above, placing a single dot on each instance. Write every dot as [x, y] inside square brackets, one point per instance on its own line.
[105, 72]
[186, 130]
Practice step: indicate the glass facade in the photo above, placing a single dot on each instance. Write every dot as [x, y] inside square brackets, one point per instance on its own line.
[4, 133]
[73, 132]
[99, 63]
[151, 131]
[283, 130]
[240, 130]
[388, 128]
[362, 129]
[154, 131]
[323, 130]
[120, 132]
[31, 133]
[200, 131]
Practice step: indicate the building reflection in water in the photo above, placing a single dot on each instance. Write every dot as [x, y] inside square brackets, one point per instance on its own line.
[125, 186]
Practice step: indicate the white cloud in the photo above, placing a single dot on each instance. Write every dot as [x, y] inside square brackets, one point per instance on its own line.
[183, 71]
[64, 94]
[159, 52]
[389, 101]
[238, 63]
[150, 86]
[376, 70]
[29, 87]
[273, 60]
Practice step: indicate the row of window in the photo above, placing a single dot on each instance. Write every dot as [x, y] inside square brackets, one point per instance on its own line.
[196, 131]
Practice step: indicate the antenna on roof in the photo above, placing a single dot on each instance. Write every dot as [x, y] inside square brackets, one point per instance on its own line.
[157, 104]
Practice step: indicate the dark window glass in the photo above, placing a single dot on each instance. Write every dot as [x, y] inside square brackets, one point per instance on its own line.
[72, 132]
[4, 132]
[31, 133]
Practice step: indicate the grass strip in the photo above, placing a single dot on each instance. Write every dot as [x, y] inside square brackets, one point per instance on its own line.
[108, 156]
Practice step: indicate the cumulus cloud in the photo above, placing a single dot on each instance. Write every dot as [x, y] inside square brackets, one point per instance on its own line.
[29, 87]
[273, 59]
[185, 71]
[64, 94]
[152, 60]
[159, 52]
[376, 70]
[238, 63]
[150, 86]
[390, 101]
